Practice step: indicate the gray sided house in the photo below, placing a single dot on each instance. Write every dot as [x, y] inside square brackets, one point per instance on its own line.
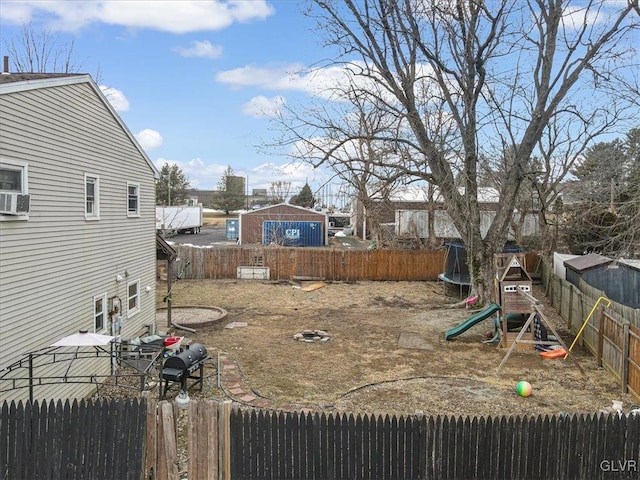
[284, 224]
[77, 225]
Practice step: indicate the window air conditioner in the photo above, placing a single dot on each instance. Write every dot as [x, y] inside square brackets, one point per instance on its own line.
[14, 204]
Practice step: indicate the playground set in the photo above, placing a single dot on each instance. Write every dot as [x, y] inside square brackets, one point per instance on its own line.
[519, 322]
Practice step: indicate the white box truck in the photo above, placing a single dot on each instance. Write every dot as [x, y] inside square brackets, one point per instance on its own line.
[180, 219]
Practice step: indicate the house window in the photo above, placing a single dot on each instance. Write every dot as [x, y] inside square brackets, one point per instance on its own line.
[99, 312]
[91, 197]
[133, 298]
[14, 199]
[10, 179]
[133, 200]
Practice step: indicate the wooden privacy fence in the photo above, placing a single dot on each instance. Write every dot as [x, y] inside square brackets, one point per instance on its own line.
[612, 333]
[332, 264]
[80, 440]
[214, 440]
[232, 443]
[322, 263]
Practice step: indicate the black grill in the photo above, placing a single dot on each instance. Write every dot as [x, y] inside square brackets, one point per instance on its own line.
[182, 366]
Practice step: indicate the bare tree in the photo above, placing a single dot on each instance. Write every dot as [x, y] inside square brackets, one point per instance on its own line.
[279, 191]
[41, 52]
[490, 76]
[605, 213]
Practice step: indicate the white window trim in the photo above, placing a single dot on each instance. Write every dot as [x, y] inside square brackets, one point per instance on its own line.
[136, 309]
[17, 165]
[102, 297]
[137, 213]
[96, 203]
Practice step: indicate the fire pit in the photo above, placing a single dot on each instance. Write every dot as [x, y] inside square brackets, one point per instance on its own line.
[311, 336]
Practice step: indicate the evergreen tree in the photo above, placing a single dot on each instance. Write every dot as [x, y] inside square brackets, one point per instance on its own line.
[304, 198]
[230, 195]
[171, 187]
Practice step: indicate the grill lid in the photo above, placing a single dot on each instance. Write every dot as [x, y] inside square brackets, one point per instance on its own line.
[188, 359]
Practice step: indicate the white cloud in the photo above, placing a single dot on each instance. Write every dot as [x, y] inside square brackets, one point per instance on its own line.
[175, 17]
[575, 18]
[262, 106]
[328, 83]
[17, 12]
[297, 172]
[200, 174]
[202, 49]
[116, 98]
[149, 139]
[318, 81]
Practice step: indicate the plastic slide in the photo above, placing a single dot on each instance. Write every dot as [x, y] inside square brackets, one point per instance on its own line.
[471, 321]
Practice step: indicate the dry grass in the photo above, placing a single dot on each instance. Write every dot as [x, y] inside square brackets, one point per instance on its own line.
[386, 353]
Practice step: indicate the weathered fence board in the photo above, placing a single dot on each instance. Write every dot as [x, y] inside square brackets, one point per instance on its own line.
[326, 263]
[633, 361]
[79, 440]
[336, 446]
[611, 334]
[331, 264]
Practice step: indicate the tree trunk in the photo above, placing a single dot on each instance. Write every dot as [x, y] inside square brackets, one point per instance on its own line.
[480, 262]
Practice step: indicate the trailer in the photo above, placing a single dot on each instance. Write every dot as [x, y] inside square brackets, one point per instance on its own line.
[177, 220]
[339, 223]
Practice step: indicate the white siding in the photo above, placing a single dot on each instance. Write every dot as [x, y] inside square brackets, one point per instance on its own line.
[415, 222]
[52, 265]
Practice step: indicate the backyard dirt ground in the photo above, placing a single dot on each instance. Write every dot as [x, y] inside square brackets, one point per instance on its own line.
[386, 351]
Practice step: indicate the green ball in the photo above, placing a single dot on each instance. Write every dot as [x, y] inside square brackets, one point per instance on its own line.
[524, 389]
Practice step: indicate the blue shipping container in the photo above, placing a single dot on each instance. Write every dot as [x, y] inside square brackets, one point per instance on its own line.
[293, 234]
[233, 228]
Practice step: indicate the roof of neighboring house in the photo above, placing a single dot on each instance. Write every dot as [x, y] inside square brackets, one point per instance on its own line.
[22, 82]
[586, 262]
[293, 209]
[420, 194]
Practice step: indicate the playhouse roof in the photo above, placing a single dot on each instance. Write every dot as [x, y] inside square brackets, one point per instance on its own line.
[513, 269]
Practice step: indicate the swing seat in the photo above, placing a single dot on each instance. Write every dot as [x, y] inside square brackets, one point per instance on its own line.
[555, 353]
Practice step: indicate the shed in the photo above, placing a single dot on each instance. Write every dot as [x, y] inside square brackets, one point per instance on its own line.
[585, 266]
[619, 280]
[257, 226]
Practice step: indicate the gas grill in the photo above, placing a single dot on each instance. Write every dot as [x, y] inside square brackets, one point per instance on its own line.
[187, 364]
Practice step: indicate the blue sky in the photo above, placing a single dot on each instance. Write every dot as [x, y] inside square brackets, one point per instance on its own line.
[193, 80]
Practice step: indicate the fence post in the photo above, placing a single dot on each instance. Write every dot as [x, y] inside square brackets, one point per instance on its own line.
[625, 356]
[194, 440]
[600, 335]
[169, 441]
[224, 440]
[212, 435]
[570, 313]
[151, 440]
